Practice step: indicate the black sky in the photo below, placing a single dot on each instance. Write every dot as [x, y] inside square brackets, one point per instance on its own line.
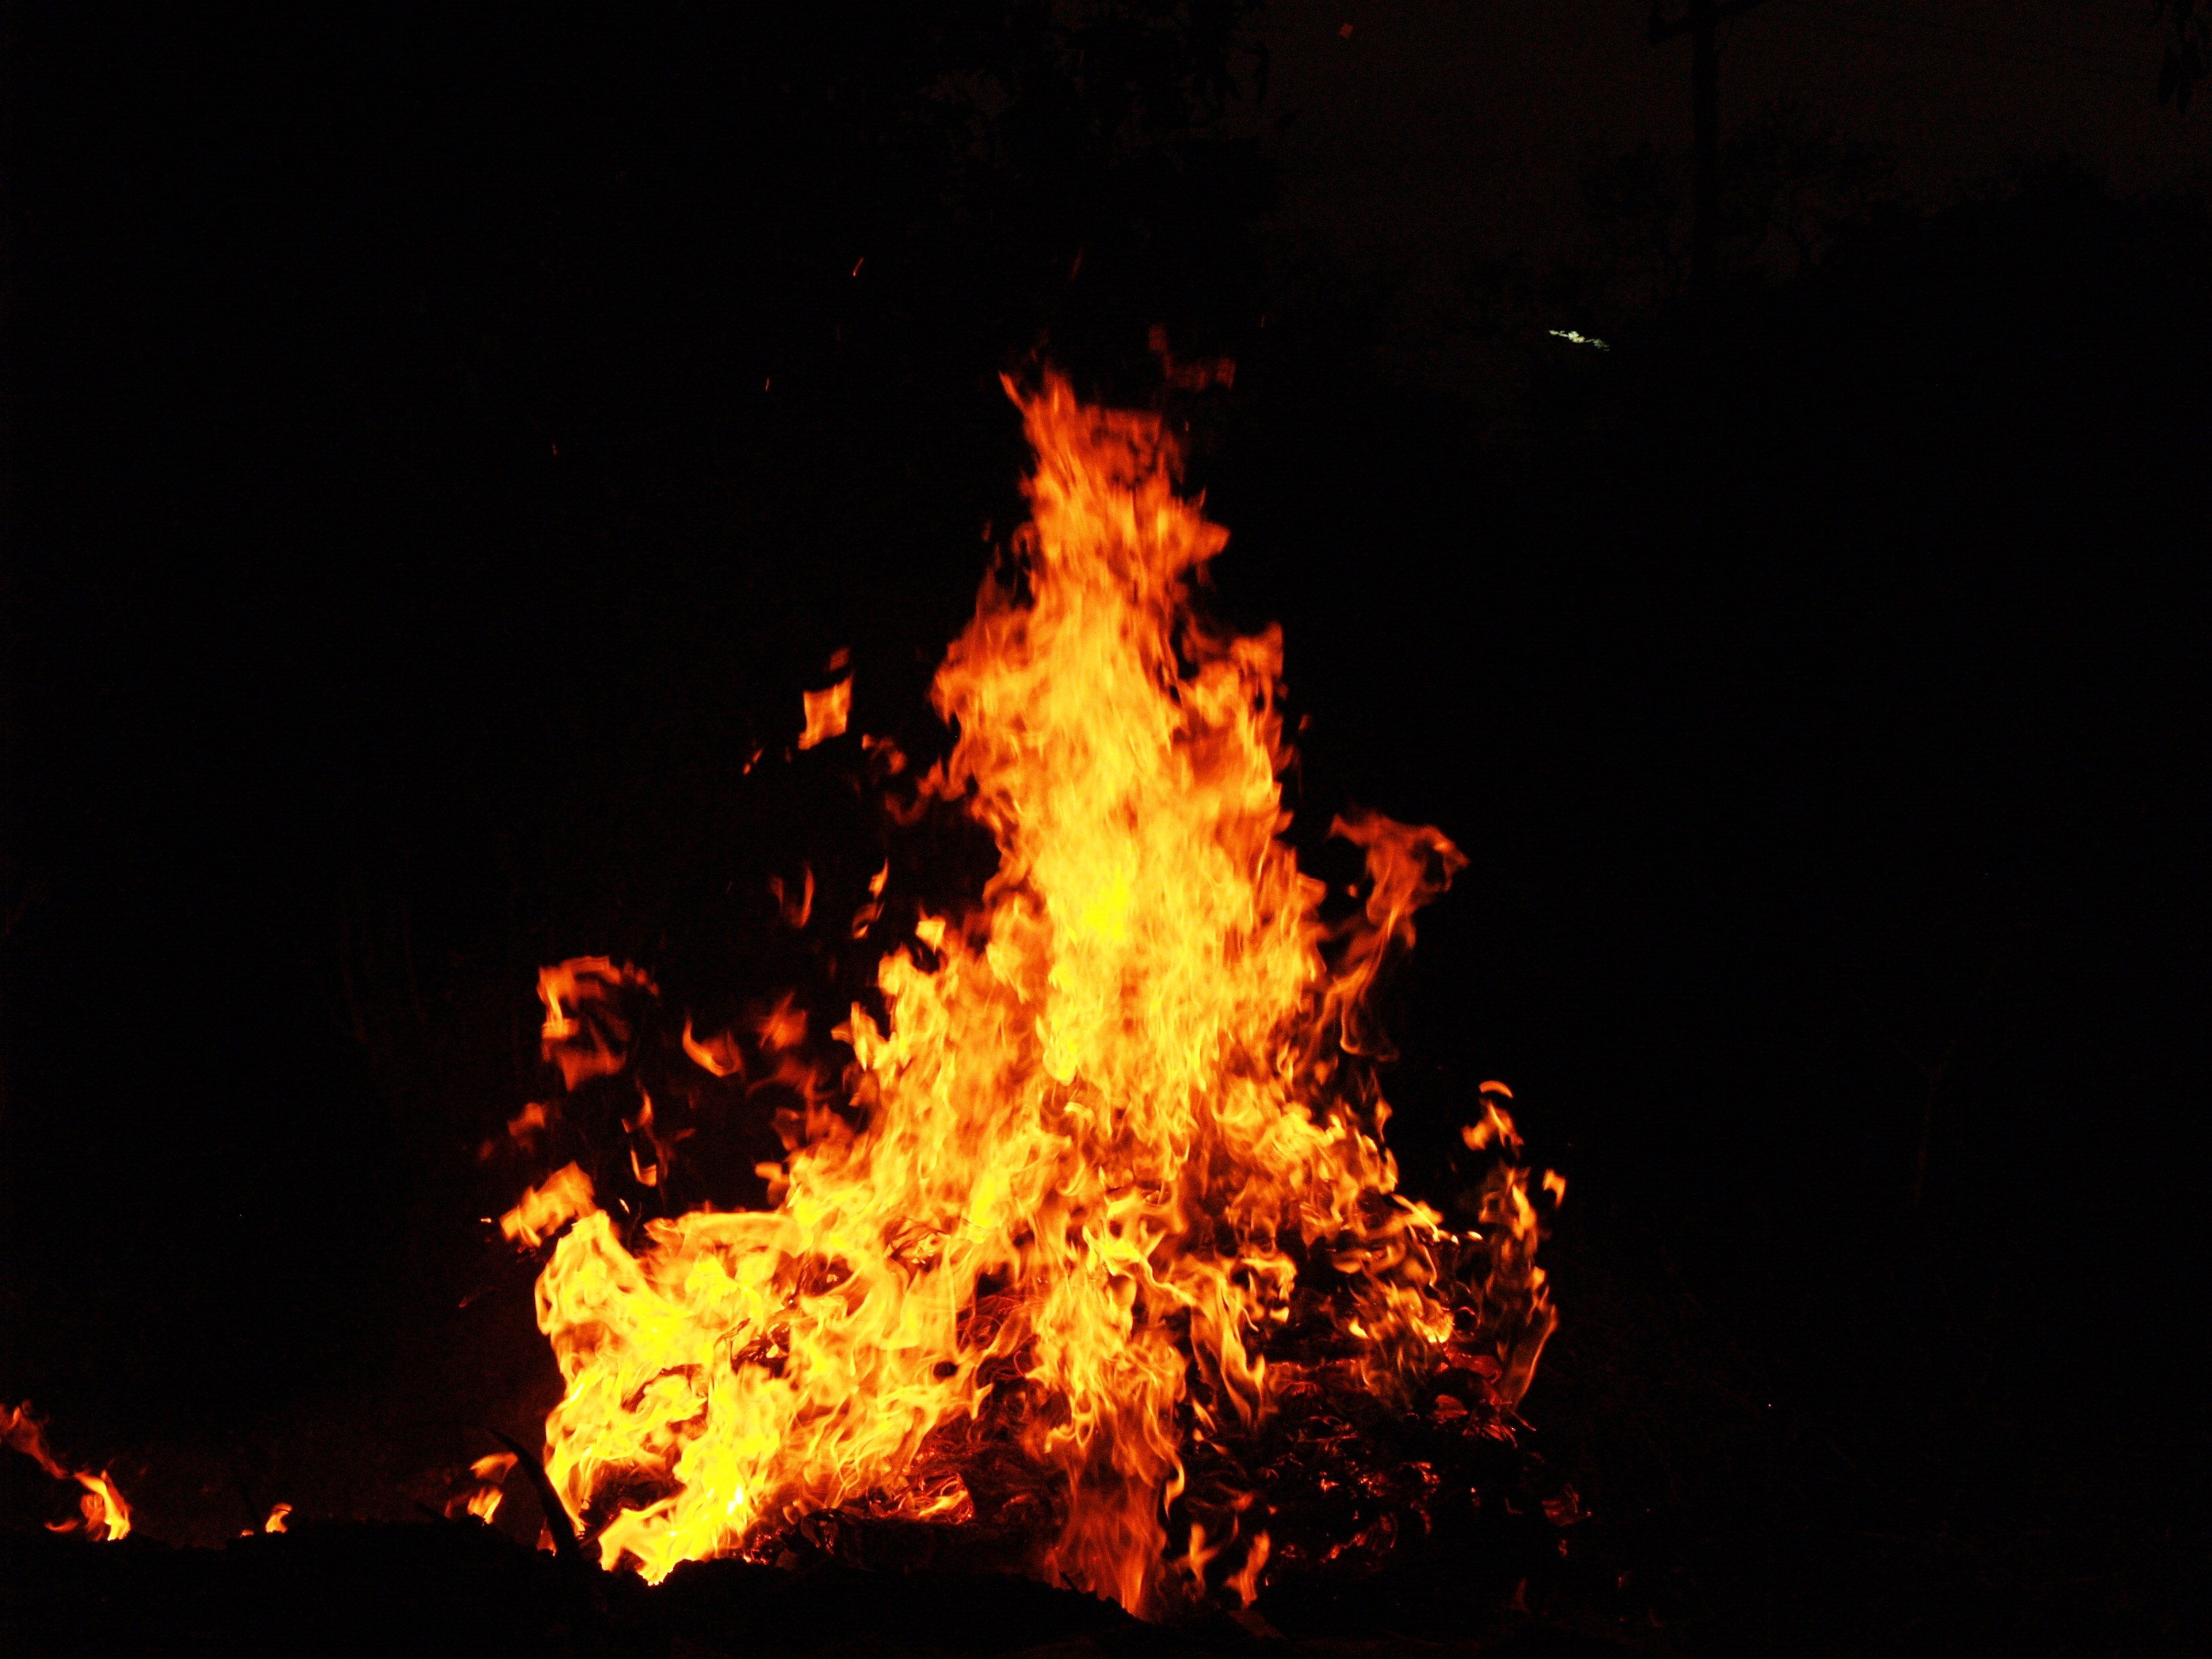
[1435, 127]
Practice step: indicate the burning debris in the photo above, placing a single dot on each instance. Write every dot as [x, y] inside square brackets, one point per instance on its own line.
[1092, 1263]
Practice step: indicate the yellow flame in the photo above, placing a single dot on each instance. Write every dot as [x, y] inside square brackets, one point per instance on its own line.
[545, 1210]
[1104, 1129]
[105, 1515]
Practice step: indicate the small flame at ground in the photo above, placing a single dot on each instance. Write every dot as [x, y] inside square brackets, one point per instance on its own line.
[1118, 1184]
[485, 1491]
[102, 1512]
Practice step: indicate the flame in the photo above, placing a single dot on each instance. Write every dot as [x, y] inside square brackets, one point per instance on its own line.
[1495, 1127]
[102, 1511]
[717, 1056]
[276, 1520]
[105, 1515]
[827, 712]
[587, 1026]
[797, 904]
[783, 1026]
[1116, 1122]
[1245, 1581]
[545, 1210]
[488, 1475]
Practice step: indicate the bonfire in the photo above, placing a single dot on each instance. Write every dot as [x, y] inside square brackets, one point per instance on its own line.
[1090, 1251]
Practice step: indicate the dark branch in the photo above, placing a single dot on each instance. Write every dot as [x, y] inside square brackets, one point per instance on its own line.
[565, 1545]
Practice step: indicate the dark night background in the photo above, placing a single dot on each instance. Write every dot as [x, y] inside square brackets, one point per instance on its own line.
[440, 447]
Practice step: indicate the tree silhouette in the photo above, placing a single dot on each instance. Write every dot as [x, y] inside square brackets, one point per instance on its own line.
[1701, 20]
[2188, 57]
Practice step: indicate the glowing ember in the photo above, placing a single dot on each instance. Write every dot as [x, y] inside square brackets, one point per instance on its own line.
[104, 1515]
[1117, 1190]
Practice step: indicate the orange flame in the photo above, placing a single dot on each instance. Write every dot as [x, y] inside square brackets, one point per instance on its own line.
[488, 1475]
[103, 1513]
[1113, 1120]
[545, 1210]
[587, 1027]
[717, 1056]
[276, 1520]
[1245, 1581]
[827, 713]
